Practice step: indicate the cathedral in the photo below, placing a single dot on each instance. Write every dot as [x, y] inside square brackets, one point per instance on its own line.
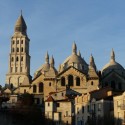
[73, 73]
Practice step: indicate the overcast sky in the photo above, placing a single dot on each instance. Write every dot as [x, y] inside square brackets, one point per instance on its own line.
[96, 26]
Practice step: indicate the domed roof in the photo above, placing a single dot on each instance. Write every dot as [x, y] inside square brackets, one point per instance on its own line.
[45, 67]
[75, 60]
[112, 65]
[20, 25]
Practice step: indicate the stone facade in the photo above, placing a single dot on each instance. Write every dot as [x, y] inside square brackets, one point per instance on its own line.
[19, 58]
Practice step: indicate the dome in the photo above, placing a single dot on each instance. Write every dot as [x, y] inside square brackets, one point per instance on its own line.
[113, 65]
[75, 60]
[20, 25]
[45, 67]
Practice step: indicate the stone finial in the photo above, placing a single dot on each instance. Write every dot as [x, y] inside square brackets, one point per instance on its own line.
[52, 62]
[74, 48]
[112, 55]
[79, 53]
[47, 58]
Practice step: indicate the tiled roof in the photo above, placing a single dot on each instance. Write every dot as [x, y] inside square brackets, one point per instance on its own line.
[50, 99]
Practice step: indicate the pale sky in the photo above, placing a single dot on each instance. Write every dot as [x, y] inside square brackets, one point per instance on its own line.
[96, 26]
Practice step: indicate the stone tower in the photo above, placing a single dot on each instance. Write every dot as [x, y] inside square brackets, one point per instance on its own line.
[19, 58]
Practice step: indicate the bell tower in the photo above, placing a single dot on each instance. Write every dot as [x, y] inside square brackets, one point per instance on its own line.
[19, 58]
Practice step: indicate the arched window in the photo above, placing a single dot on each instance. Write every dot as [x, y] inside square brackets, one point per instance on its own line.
[11, 85]
[63, 81]
[22, 58]
[21, 49]
[21, 41]
[34, 88]
[70, 80]
[113, 84]
[17, 41]
[17, 59]
[77, 81]
[12, 59]
[12, 49]
[13, 42]
[92, 83]
[24, 90]
[17, 49]
[119, 86]
[41, 87]
[50, 84]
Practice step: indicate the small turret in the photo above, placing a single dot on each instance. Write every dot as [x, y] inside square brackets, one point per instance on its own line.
[74, 48]
[92, 62]
[79, 53]
[47, 58]
[52, 62]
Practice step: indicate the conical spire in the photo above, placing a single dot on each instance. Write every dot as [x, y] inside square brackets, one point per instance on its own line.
[74, 48]
[47, 58]
[79, 53]
[112, 55]
[20, 25]
[92, 62]
[52, 62]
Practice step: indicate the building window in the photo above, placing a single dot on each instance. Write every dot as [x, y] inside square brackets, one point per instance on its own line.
[41, 87]
[11, 85]
[12, 49]
[34, 88]
[88, 108]
[11, 69]
[21, 49]
[55, 94]
[50, 84]
[13, 42]
[22, 58]
[66, 122]
[82, 109]
[17, 49]
[70, 80]
[62, 94]
[21, 41]
[57, 104]
[17, 41]
[12, 59]
[77, 81]
[21, 69]
[24, 90]
[77, 110]
[48, 104]
[17, 59]
[63, 81]
[16, 69]
[92, 83]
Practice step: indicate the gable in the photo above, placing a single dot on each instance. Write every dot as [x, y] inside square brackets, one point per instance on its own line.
[72, 71]
[113, 75]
